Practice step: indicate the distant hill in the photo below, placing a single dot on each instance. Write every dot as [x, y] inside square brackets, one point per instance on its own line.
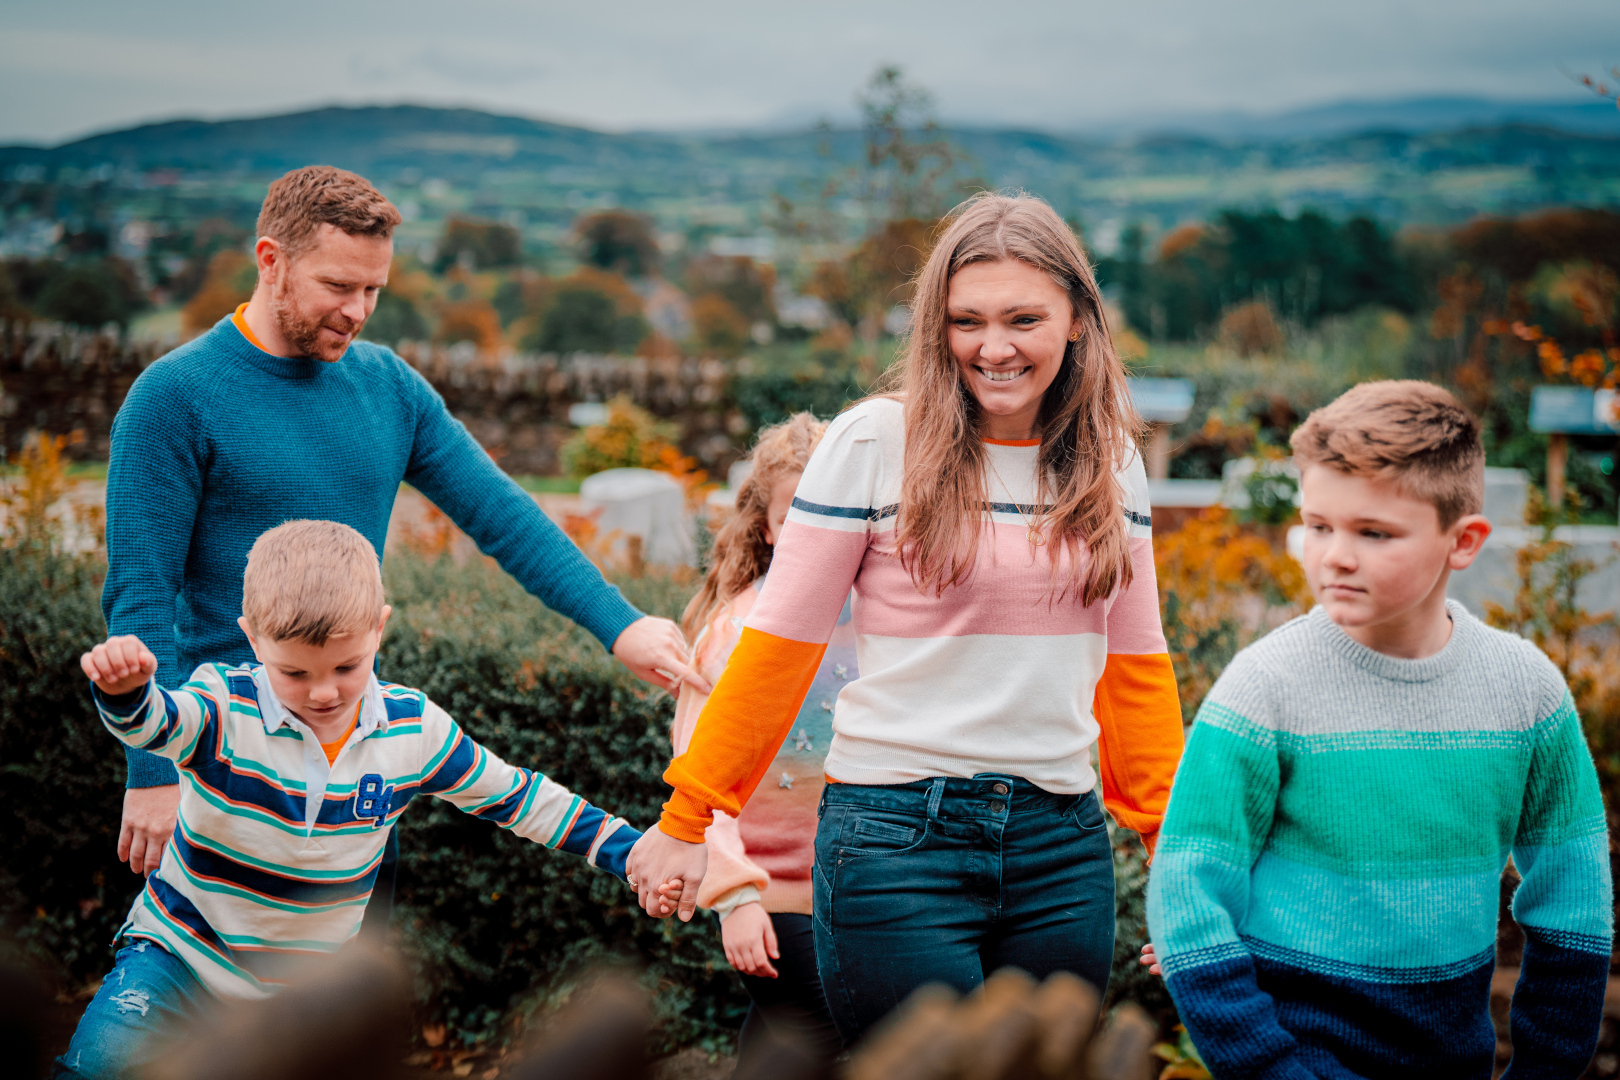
[1418, 115]
[379, 139]
[1425, 160]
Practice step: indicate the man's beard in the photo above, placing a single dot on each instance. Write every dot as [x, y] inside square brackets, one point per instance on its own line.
[302, 331]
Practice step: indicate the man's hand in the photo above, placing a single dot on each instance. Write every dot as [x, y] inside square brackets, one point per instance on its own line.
[656, 651]
[1150, 960]
[149, 814]
[119, 665]
[656, 863]
[749, 939]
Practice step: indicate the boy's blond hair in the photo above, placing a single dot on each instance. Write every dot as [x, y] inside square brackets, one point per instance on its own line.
[1412, 432]
[311, 581]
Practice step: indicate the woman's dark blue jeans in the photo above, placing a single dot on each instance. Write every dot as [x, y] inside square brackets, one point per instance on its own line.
[947, 880]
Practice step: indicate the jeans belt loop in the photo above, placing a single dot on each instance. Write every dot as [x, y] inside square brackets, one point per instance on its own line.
[936, 795]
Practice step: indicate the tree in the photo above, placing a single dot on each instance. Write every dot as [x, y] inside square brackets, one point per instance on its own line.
[229, 281]
[470, 320]
[591, 311]
[89, 294]
[746, 285]
[485, 245]
[395, 319]
[718, 326]
[617, 241]
[907, 158]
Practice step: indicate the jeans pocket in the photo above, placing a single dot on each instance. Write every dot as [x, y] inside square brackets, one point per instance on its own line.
[876, 832]
[1086, 815]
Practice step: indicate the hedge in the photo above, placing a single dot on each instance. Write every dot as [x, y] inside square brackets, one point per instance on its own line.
[494, 925]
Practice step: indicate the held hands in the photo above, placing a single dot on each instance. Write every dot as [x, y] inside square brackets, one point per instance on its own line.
[676, 866]
[119, 665]
[655, 651]
[1150, 960]
[750, 940]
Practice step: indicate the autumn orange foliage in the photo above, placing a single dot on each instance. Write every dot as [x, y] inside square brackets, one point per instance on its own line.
[1221, 585]
[228, 282]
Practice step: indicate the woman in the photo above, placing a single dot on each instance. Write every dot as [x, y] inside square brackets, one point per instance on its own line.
[991, 514]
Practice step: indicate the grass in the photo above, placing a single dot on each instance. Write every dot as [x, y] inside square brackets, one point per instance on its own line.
[548, 485]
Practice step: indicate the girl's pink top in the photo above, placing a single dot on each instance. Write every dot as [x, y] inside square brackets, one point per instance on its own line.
[771, 847]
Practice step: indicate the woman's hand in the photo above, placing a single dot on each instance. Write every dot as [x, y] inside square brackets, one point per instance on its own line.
[663, 869]
[1150, 960]
[750, 940]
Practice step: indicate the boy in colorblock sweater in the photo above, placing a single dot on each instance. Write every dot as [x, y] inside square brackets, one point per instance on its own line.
[292, 771]
[1324, 897]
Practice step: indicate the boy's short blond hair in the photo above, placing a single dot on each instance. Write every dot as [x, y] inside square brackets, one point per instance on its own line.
[1412, 432]
[311, 581]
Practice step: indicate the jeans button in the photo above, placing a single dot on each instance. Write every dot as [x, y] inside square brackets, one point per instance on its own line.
[1000, 789]
[997, 807]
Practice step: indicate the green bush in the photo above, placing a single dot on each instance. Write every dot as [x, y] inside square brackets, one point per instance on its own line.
[63, 892]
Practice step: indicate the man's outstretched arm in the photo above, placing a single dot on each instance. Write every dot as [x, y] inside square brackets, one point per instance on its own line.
[451, 469]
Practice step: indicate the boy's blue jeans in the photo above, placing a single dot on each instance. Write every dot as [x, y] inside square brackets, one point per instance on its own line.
[148, 991]
[947, 880]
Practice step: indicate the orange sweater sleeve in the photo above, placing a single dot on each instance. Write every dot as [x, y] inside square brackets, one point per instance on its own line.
[1140, 746]
[1137, 707]
[743, 724]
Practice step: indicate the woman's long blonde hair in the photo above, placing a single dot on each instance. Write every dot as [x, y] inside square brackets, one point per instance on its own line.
[740, 554]
[1086, 424]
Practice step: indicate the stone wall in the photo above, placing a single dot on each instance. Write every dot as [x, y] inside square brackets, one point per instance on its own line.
[62, 381]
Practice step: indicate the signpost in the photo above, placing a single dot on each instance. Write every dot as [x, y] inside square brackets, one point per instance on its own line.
[1561, 411]
[1161, 402]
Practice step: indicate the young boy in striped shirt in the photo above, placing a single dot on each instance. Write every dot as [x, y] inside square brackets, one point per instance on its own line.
[1324, 897]
[291, 772]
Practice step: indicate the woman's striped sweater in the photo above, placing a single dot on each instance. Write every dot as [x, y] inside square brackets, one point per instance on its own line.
[1324, 900]
[276, 851]
[995, 675]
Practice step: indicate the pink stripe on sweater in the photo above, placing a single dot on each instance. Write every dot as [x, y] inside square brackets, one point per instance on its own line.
[812, 571]
[1009, 593]
[1134, 628]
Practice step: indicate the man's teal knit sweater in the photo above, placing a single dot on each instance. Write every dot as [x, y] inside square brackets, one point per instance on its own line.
[1324, 894]
[219, 441]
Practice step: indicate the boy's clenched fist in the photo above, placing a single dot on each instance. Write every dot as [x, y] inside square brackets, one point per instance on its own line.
[119, 665]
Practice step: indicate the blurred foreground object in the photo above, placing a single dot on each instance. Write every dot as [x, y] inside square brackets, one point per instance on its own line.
[1009, 1028]
[343, 1017]
[600, 1035]
[22, 1020]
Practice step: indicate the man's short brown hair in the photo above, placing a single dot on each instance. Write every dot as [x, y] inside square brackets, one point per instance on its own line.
[311, 581]
[1414, 433]
[305, 199]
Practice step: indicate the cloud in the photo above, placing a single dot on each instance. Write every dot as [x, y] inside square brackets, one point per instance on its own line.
[69, 68]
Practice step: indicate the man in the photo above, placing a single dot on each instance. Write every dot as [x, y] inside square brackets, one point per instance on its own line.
[280, 413]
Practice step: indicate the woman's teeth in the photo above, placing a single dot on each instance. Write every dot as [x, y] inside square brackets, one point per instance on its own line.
[1003, 376]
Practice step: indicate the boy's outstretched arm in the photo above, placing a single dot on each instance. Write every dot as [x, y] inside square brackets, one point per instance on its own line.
[1564, 903]
[1219, 816]
[140, 712]
[464, 773]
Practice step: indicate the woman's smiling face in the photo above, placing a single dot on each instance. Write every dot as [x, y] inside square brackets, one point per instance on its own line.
[1009, 324]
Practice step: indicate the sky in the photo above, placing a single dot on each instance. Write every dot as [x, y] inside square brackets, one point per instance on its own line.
[73, 67]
